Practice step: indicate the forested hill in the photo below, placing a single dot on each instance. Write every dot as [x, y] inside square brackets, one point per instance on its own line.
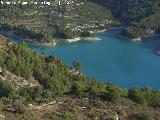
[140, 15]
[43, 23]
[130, 10]
[35, 87]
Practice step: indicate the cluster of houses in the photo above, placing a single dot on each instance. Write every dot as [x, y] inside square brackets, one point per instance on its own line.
[54, 12]
[76, 26]
[91, 25]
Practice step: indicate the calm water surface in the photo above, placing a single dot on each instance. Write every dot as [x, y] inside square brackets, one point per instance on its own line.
[113, 59]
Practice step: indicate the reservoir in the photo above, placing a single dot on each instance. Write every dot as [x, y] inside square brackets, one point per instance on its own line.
[112, 59]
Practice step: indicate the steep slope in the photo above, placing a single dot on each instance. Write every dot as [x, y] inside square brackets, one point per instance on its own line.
[141, 16]
[61, 92]
[130, 10]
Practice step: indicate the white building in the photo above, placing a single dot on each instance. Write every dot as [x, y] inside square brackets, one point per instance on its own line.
[8, 3]
[24, 3]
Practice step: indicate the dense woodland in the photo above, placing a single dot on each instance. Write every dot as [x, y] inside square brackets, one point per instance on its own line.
[140, 16]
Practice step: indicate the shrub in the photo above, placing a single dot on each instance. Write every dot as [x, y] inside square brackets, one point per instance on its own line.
[112, 93]
[137, 95]
[18, 106]
[67, 116]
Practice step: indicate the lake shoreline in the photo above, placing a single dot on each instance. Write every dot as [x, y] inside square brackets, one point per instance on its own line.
[10, 34]
[114, 56]
[56, 40]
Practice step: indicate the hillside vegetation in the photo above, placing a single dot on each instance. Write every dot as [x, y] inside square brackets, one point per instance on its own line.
[36, 87]
[47, 84]
[141, 16]
[44, 23]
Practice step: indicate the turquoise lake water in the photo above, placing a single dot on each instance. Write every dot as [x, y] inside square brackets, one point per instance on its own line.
[113, 59]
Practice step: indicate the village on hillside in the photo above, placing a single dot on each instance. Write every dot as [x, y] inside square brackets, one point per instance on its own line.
[59, 18]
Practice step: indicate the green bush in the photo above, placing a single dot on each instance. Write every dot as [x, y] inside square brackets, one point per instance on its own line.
[18, 106]
[67, 116]
[112, 93]
[6, 89]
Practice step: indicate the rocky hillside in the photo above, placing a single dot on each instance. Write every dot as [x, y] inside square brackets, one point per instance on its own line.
[34, 87]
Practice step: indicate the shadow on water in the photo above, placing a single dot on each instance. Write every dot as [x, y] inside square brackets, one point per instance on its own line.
[152, 43]
[114, 32]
